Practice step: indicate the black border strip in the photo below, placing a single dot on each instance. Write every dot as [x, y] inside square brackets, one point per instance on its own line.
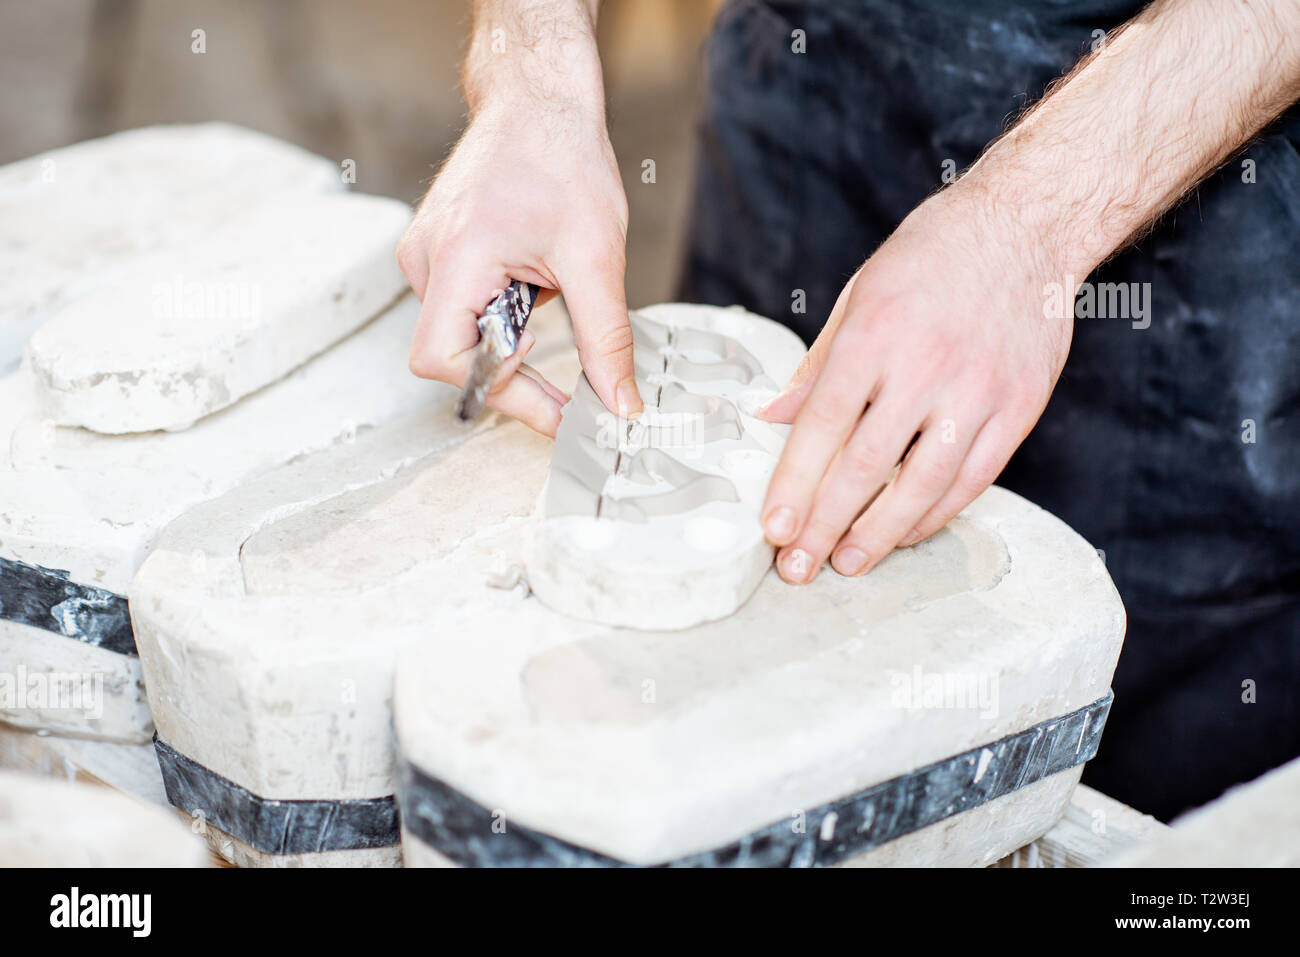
[275, 826]
[48, 599]
[462, 830]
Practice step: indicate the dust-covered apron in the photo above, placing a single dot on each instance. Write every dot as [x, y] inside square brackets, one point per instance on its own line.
[1172, 442]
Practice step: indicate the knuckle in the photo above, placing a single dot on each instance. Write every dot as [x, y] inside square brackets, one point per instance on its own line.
[863, 469]
[942, 356]
[613, 250]
[604, 255]
[822, 415]
[423, 365]
[788, 485]
[868, 461]
[419, 366]
[1023, 394]
[932, 521]
[929, 476]
[977, 476]
[612, 341]
[410, 256]
[819, 535]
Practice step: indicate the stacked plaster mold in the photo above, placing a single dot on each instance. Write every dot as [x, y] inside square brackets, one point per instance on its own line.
[113, 247]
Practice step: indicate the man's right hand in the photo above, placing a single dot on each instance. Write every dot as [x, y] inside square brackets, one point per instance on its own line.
[531, 192]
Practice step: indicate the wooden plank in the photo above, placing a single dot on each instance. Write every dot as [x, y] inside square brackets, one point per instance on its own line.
[1256, 824]
[1094, 828]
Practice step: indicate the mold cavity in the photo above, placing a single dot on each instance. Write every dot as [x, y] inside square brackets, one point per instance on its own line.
[595, 535]
[704, 356]
[709, 534]
[749, 465]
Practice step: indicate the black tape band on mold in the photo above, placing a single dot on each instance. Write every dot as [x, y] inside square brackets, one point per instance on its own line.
[462, 830]
[48, 599]
[271, 825]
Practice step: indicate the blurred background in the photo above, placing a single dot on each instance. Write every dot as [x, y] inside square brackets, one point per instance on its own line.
[375, 81]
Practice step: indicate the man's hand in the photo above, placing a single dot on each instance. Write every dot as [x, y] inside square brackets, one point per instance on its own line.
[531, 192]
[943, 336]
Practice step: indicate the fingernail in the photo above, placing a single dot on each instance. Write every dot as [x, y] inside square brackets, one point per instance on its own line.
[629, 399]
[910, 537]
[797, 566]
[780, 525]
[767, 406]
[848, 561]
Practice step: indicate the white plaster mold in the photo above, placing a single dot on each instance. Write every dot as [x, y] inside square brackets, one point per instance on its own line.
[286, 626]
[72, 218]
[45, 822]
[192, 330]
[268, 619]
[653, 522]
[653, 746]
[91, 506]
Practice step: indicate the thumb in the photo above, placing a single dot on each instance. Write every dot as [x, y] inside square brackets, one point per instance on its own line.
[598, 307]
[790, 400]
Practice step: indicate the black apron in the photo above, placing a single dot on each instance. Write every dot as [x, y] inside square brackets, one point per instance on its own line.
[1175, 449]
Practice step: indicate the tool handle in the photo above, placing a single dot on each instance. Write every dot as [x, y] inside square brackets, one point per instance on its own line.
[499, 329]
[514, 304]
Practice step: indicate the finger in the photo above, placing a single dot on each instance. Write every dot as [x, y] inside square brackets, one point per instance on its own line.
[598, 307]
[924, 478]
[787, 404]
[559, 395]
[515, 363]
[852, 480]
[413, 260]
[523, 393]
[459, 289]
[447, 334]
[524, 398]
[512, 362]
[824, 423]
[988, 456]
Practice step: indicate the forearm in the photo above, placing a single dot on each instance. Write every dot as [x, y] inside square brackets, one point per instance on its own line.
[1166, 100]
[539, 52]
